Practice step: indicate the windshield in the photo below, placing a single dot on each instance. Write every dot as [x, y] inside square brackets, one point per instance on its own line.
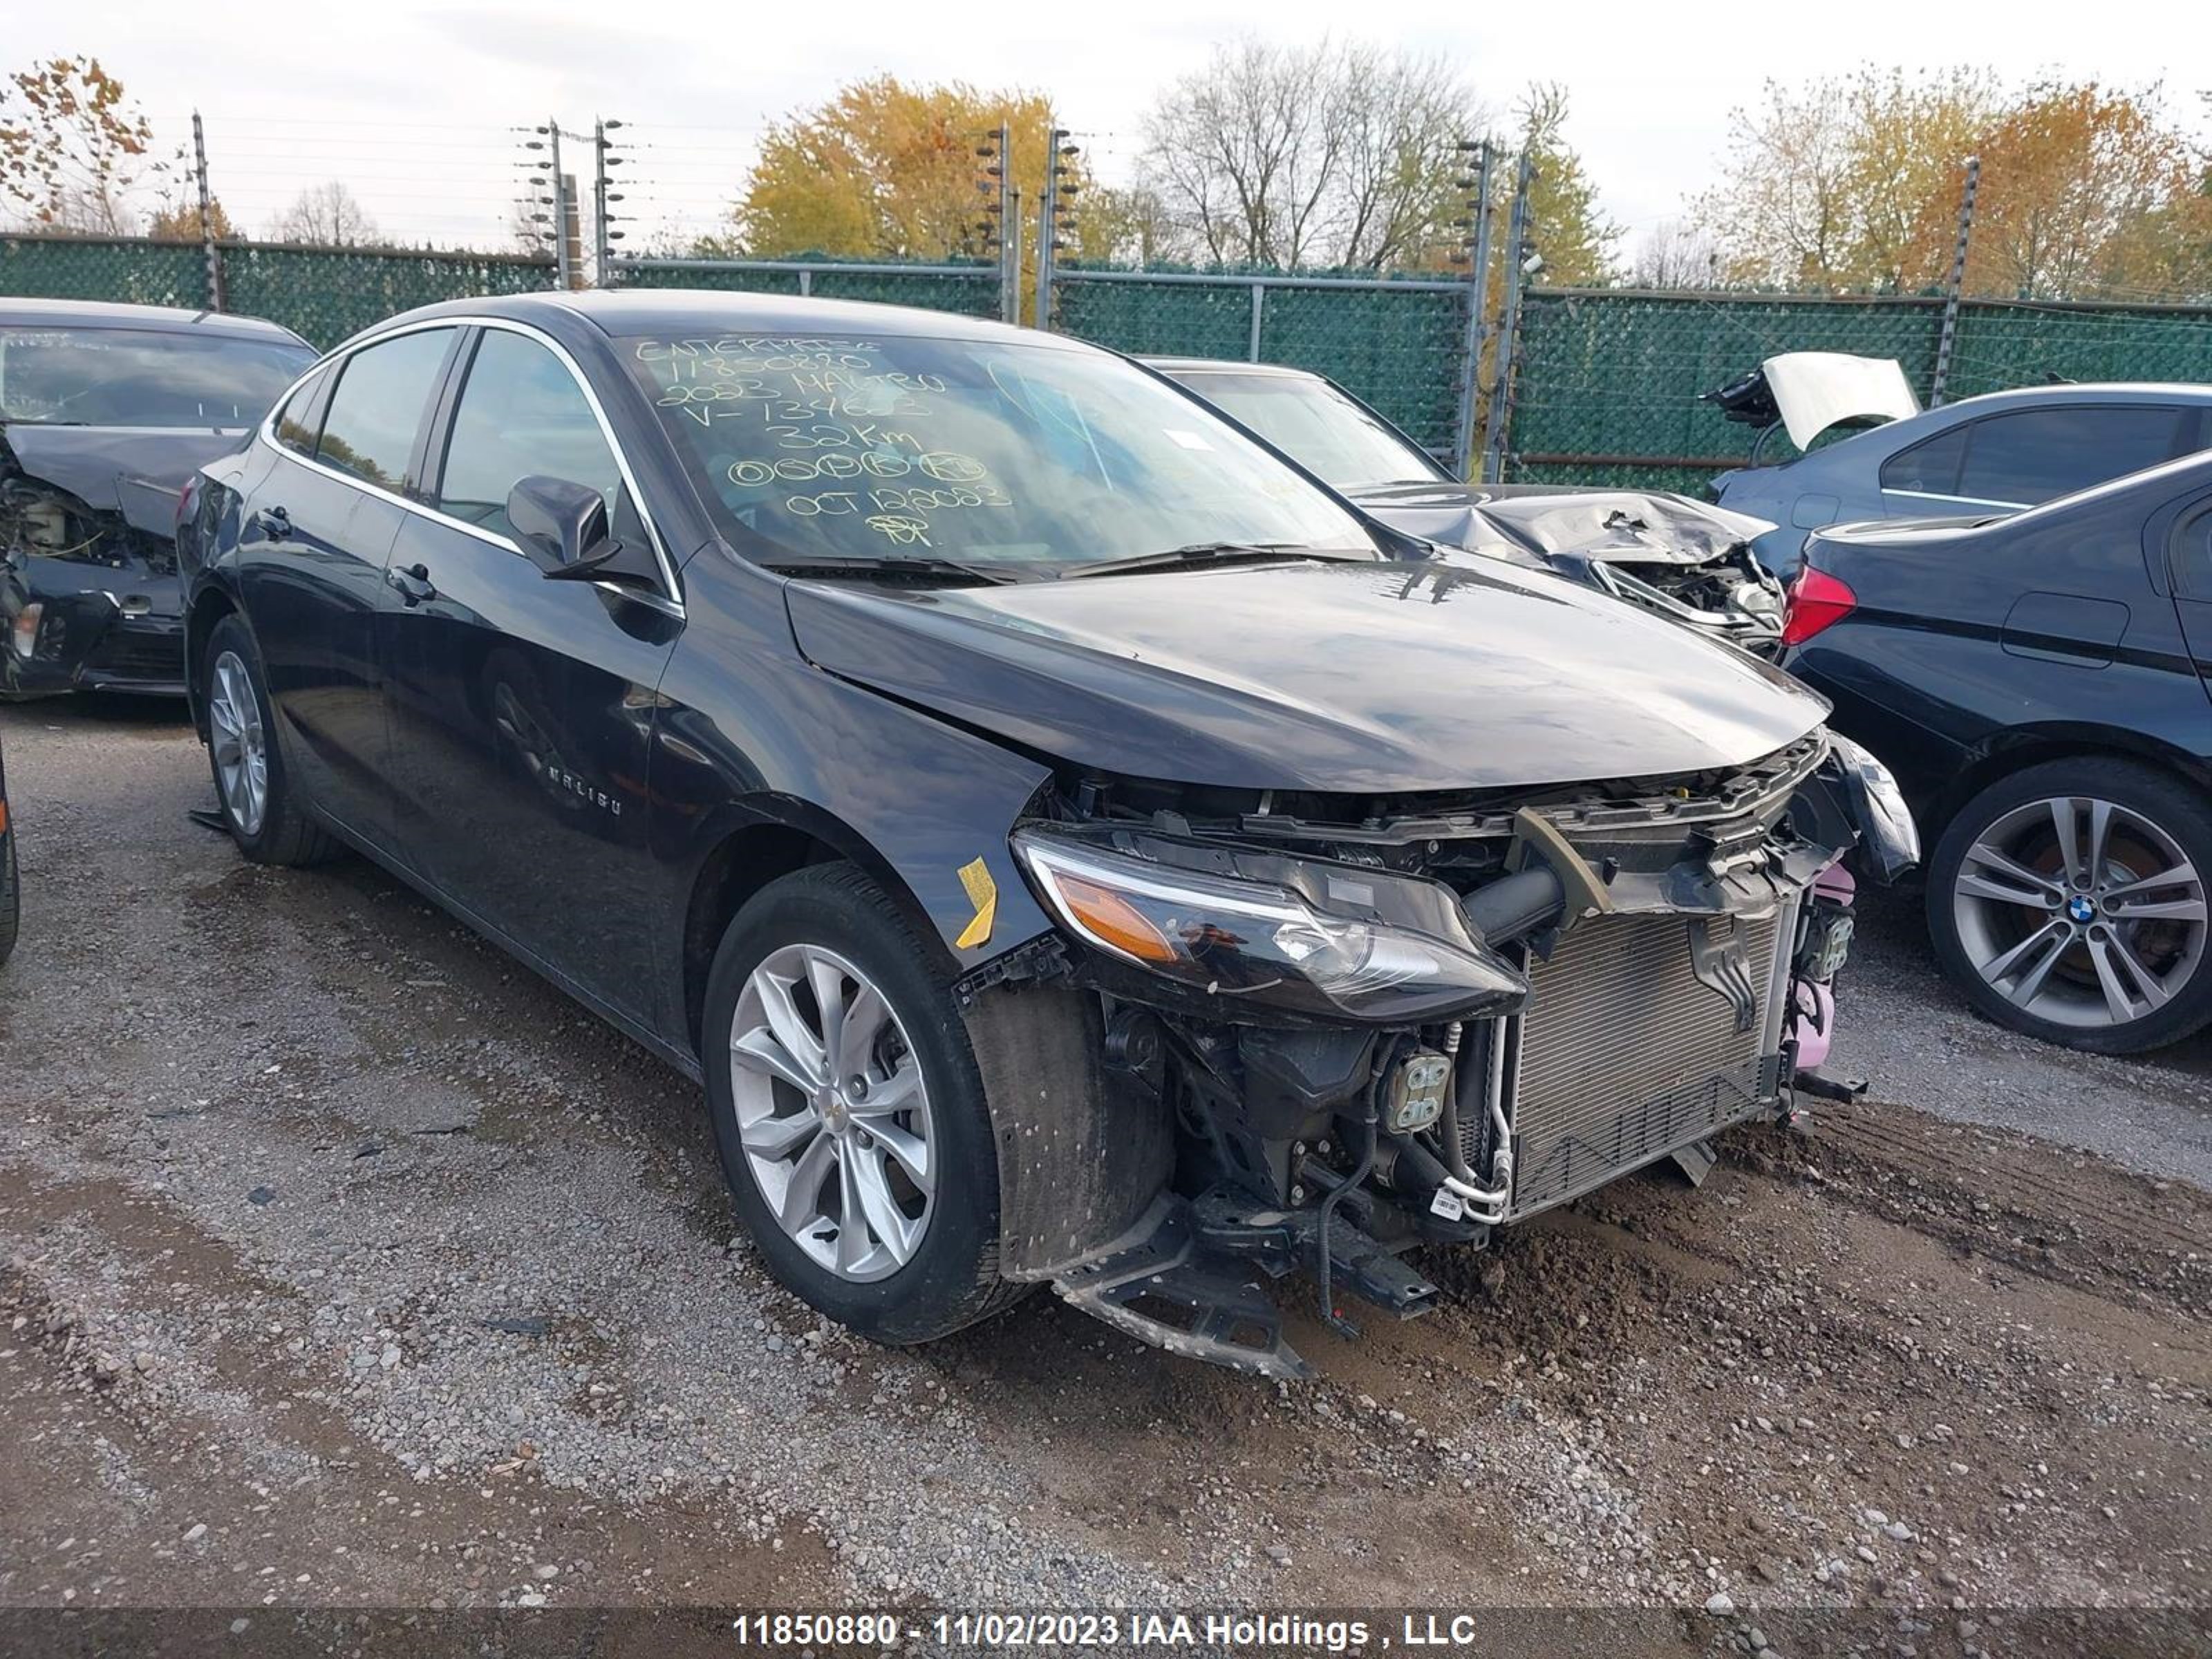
[1317, 426]
[978, 450]
[141, 377]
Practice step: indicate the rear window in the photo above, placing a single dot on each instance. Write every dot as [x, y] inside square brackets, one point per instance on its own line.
[1317, 426]
[141, 377]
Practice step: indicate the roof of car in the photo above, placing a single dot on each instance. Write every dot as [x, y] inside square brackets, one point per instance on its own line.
[1224, 366]
[2073, 392]
[160, 319]
[687, 312]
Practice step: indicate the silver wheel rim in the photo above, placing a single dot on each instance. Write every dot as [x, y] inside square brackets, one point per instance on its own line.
[2081, 912]
[241, 754]
[833, 1112]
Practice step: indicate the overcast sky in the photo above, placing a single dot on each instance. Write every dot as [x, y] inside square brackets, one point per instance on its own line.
[411, 102]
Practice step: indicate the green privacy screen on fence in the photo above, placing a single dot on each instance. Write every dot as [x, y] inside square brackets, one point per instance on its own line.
[1396, 344]
[322, 295]
[967, 291]
[94, 268]
[1607, 383]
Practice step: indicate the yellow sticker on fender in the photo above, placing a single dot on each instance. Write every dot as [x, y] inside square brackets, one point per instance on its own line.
[983, 894]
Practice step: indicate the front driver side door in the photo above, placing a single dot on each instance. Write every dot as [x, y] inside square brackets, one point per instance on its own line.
[521, 707]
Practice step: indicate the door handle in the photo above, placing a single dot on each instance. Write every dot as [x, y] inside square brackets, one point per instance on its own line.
[274, 522]
[412, 582]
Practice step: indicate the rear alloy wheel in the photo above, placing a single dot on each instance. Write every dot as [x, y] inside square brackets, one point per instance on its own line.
[238, 743]
[2071, 901]
[265, 819]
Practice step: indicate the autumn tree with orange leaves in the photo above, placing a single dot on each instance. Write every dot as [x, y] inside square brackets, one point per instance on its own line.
[885, 170]
[1853, 184]
[73, 147]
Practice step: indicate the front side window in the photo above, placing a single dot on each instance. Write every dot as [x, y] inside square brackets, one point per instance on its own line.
[2038, 454]
[521, 414]
[383, 392]
[141, 377]
[1317, 426]
[985, 451]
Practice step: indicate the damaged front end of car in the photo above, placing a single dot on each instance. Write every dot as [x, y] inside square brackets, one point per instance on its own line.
[1326, 1030]
[89, 594]
[1690, 562]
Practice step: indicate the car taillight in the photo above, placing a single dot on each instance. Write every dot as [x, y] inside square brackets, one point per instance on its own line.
[1815, 601]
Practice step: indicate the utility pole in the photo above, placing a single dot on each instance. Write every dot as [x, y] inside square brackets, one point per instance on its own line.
[1478, 302]
[997, 153]
[210, 250]
[1952, 293]
[1058, 151]
[564, 270]
[1518, 251]
[604, 236]
[1012, 313]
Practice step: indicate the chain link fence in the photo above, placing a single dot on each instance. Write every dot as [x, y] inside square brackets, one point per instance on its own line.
[1400, 344]
[968, 290]
[1605, 387]
[321, 293]
[1607, 383]
[133, 271]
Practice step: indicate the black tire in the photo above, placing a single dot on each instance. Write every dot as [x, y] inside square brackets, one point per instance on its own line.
[2174, 806]
[952, 1278]
[11, 902]
[286, 835]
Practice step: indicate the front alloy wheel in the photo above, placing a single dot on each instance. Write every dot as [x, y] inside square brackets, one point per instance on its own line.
[833, 1112]
[2072, 897]
[849, 1111]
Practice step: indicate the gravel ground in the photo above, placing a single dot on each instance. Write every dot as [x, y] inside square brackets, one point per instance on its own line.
[347, 1264]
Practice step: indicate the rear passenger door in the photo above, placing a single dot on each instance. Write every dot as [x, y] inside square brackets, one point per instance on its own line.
[521, 706]
[311, 560]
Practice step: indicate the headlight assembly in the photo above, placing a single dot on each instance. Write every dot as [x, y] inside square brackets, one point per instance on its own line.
[1262, 943]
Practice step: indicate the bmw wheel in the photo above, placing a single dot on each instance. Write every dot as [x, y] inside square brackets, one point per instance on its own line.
[2070, 900]
[258, 808]
[848, 1111]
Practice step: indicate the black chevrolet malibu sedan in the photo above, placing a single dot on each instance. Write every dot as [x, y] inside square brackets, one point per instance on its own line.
[1069, 846]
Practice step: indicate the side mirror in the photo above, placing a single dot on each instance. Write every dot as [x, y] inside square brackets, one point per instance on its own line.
[563, 526]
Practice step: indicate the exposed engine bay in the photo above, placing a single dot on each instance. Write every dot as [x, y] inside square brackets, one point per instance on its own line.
[89, 596]
[1333, 1029]
[1690, 561]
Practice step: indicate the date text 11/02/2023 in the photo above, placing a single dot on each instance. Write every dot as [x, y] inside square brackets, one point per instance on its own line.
[1258, 1633]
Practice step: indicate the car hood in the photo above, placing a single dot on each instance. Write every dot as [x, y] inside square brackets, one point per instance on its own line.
[1361, 677]
[1446, 513]
[135, 472]
[1602, 526]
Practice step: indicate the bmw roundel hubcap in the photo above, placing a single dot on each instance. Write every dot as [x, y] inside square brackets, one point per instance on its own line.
[241, 754]
[833, 1114]
[2079, 911]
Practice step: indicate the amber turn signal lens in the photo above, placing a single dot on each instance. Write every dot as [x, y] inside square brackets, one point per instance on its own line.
[1113, 920]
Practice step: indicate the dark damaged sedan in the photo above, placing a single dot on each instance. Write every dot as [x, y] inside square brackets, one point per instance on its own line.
[105, 411]
[1690, 562]
[1069, 847]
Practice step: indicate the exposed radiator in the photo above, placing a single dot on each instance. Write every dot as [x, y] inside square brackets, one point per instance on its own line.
[1624, 1054]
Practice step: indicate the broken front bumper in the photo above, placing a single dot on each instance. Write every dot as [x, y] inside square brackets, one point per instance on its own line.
[1646, 961]
[75, 627]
